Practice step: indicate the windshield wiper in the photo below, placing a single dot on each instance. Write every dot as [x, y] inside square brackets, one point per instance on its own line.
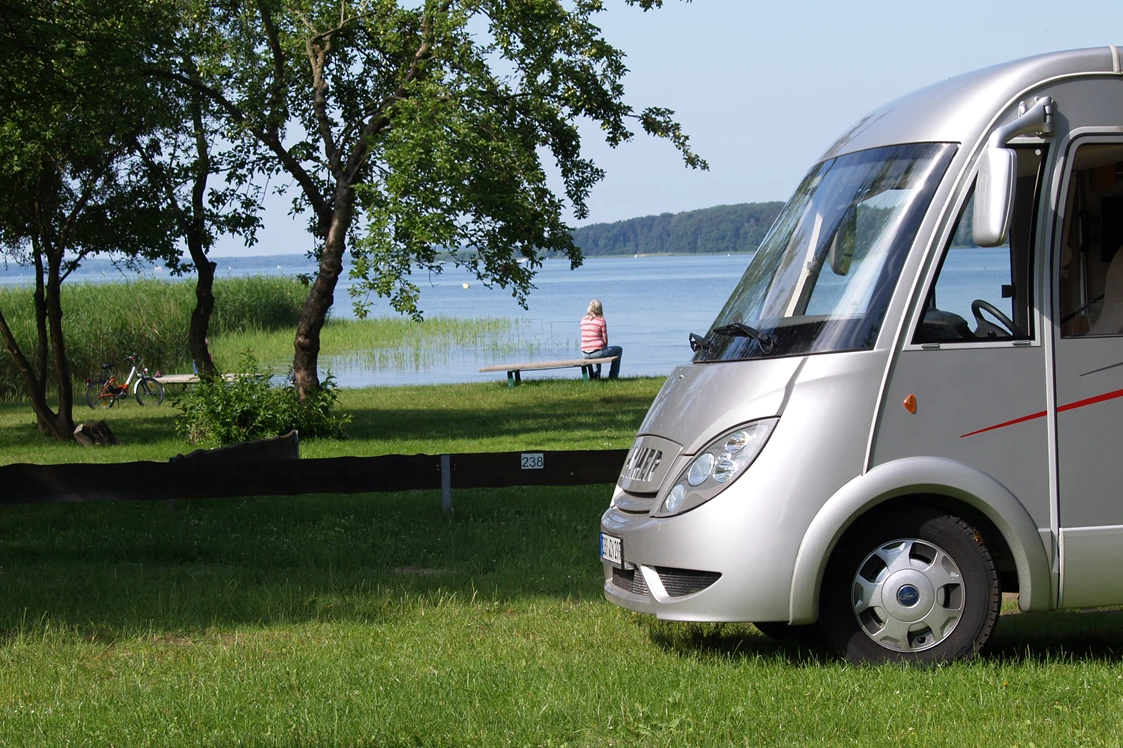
[741, 330]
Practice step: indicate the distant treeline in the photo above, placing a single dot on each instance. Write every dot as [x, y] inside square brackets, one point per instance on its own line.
[723, 228]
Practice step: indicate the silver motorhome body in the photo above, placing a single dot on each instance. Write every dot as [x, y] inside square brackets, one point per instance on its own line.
[882, 389]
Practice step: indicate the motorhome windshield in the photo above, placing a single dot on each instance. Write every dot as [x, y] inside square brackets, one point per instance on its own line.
[822, 278]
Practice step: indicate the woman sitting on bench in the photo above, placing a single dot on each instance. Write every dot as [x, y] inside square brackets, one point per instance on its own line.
[594, 340]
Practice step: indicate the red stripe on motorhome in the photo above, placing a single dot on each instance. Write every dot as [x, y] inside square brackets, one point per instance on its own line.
[1071, 406]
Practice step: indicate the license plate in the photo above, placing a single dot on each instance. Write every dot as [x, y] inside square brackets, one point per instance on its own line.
[612, 549]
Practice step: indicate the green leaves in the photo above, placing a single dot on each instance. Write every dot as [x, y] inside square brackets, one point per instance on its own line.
[70, 182]
[657, 121]
[223, 411]
[440, 119]
[410, 128]
[462, 167]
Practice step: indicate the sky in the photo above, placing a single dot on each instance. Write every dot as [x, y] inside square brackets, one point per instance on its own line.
[764, 88]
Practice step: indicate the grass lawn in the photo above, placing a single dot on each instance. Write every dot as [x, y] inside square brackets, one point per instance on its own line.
[489, 417]
[376, 620]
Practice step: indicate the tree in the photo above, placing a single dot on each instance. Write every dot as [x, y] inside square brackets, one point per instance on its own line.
[179, 161]
[68, 187]
[415, 126]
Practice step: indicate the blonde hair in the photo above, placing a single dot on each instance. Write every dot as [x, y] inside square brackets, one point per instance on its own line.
[595, 309]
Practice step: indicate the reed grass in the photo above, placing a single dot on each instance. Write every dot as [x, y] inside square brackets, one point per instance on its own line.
[381, 343]
[399, 344]
[104, 322]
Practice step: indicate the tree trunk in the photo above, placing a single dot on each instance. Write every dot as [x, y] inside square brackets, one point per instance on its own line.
[48, 324]
[64, 419]
[201, 319]
[49, 421]
[316, 306]
[42, 349]
[196, 237]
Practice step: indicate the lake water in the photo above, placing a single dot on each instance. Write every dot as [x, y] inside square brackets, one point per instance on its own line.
[651, 304]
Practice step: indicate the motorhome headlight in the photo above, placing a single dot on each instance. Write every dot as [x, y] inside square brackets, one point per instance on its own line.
[700, 469]
[674, 498]
[716, 466]
[724, 471]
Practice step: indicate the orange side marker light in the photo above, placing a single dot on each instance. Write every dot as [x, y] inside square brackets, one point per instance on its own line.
[910, 403]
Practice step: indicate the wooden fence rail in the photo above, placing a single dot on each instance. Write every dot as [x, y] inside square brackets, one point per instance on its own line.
[196, 479]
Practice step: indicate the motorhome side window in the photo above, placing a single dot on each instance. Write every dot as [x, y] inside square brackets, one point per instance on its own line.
[1091, 258]
[985, 293]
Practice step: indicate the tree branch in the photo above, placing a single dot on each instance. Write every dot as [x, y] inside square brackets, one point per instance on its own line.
[379, 119]
[164, 182]
[317, 58]
[17, 356]
[317, 47]
[269, 140]
[277, 86]
[72, 265]
[88, 191]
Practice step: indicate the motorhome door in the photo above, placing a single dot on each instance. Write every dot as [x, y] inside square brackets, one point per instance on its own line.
[1088, 335]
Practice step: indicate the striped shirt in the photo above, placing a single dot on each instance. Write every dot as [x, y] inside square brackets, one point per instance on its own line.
[594, 334]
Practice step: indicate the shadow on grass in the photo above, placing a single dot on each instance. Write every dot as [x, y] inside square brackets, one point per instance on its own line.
[17, 424]
[737, 641]
[114, 570]
[532, 408]
[1060, 635]
[546, 414]
[1039, 638]
[133, 424]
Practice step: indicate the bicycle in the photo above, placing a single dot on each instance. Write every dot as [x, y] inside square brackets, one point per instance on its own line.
[102, 392]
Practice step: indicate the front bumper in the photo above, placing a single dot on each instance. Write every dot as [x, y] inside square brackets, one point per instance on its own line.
[704, 565]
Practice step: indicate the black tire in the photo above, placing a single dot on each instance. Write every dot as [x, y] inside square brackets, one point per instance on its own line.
[932, 589]
[149, 392]
[93, 388]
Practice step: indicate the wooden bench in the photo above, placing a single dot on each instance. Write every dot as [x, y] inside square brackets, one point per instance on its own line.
[186, 379]
[514, 370]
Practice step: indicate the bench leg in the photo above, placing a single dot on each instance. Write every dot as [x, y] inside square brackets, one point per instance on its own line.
[511, 378]
[586, 370]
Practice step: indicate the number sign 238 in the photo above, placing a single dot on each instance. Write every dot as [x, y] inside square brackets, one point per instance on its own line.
[533, 461]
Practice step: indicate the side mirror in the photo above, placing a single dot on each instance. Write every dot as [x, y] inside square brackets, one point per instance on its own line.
[994, 196]
[998, 172]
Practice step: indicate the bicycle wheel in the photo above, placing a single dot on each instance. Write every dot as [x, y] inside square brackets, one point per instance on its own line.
[97, 396]
[148, 391]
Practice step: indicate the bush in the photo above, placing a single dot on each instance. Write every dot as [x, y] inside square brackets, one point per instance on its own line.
[221, 411]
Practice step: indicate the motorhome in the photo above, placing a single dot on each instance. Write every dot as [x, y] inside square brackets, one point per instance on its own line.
[908, 405]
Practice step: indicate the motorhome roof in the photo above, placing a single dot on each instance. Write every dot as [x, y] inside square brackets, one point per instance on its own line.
[961, 109]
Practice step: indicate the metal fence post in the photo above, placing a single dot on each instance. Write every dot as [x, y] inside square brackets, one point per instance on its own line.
[446, 484]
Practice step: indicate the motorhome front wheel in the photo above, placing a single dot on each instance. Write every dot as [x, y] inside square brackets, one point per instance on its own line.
[917, 586]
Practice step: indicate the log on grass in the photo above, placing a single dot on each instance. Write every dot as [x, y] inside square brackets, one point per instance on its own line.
[95, 434]
[286, 447]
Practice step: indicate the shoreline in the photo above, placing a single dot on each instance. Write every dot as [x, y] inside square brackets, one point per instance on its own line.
[102, 270]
